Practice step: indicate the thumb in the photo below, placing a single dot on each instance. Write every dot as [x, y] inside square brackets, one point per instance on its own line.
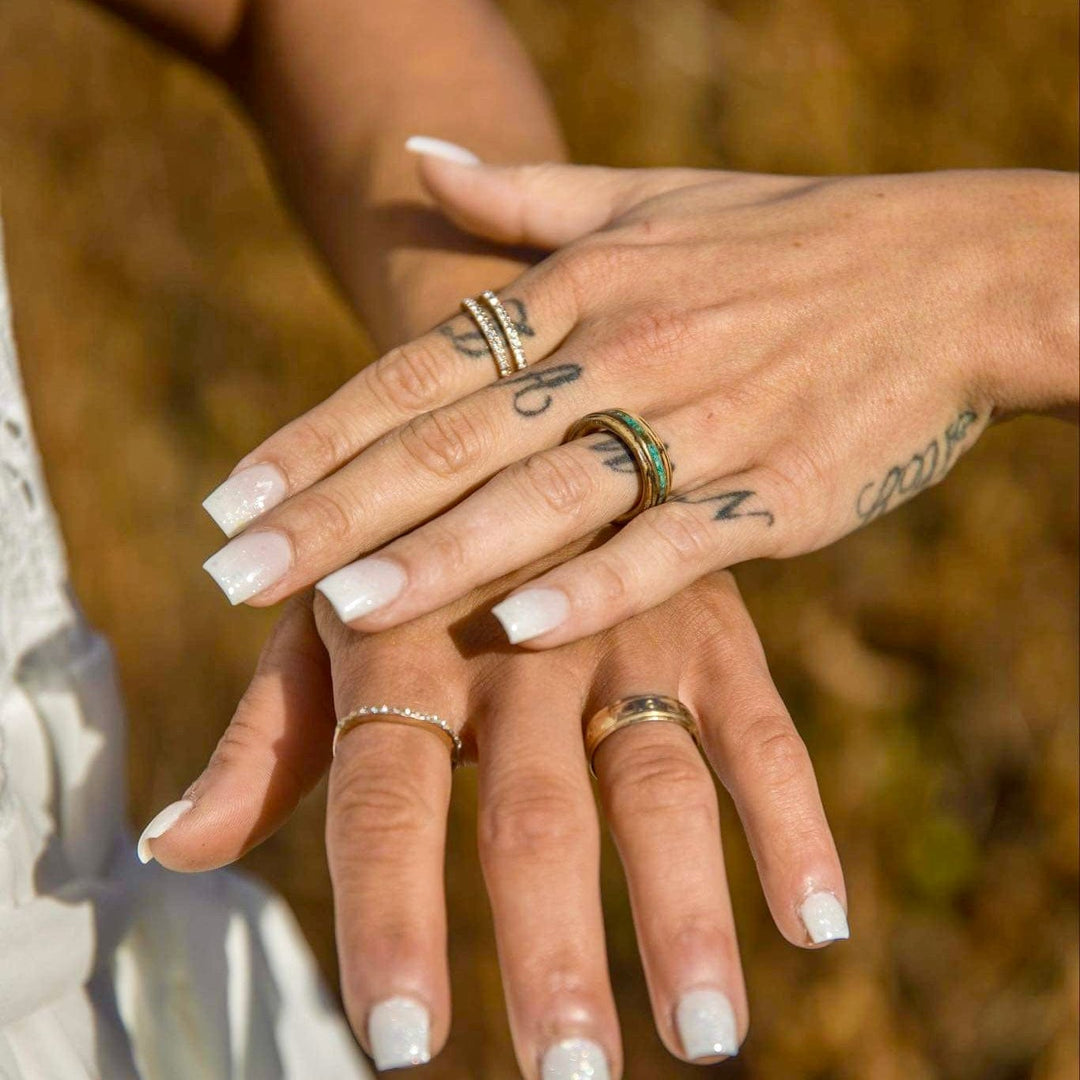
[272, 753]
[544, 206]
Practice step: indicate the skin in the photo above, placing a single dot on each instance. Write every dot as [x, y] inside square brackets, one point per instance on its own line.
[537, 832]
[803, 383]
[324, 85]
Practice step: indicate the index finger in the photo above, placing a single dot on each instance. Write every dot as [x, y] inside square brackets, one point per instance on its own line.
[440, 367]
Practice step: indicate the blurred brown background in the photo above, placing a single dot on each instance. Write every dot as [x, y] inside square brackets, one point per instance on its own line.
[170, 315]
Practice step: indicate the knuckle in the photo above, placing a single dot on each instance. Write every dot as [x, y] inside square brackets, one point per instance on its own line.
[413, 377]
[774, 752]
[320, 442]
[611, 584]
[656, 333]
[446, 443]
[376, 809]
[686, 536]
[659, 780]
[590, 267]
[530, 820]
[564, 484]
[446, 550]
[325, 518]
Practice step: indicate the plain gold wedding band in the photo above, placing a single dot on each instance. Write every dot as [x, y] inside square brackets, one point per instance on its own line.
[640, 709]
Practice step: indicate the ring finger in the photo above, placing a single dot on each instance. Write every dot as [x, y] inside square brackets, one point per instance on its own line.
[530, 509]
[385, 832]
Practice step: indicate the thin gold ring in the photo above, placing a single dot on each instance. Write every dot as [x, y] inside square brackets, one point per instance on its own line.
[639, 709]
[393, 714]
[491, 334]
[646, 449]
[510, 331]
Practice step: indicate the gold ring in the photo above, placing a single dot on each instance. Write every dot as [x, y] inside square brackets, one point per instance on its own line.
[510, 331]
[369, 714]
[640, 709]
[645, 447]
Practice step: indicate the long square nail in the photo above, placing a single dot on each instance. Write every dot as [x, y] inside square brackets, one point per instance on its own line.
[706, 1023]
[531, 612]
[362, 587]
[575, 1059]
[399, 1032]
[245, 496]
[824, 918]
[250, 564]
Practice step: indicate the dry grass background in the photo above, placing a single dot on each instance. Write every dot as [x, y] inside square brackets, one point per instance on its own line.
[169, 315]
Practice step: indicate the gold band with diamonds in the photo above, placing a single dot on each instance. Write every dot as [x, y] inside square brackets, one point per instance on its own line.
[645, 447]
[393, 714]
[510, 331]
[640, 709]
[491, 334]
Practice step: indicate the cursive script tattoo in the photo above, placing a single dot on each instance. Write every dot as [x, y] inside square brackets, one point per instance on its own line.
[532, 395]
[919, 471]
[614, 455]
[471, 342]
[729, 506]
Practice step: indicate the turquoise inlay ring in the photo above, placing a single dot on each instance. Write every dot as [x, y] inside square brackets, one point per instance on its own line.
[646, 450]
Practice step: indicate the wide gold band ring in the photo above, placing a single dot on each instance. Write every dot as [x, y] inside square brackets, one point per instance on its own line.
[641, 709]
[646, 450]
[392, 714]
[498, 331]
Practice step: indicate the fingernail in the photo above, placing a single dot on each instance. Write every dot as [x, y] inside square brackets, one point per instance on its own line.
[250, 563]
[824, 918]
[440, 148]
[531, 612]
[706, 1023]
[399, 1033]
[574, 1059]
[159, 825]
[244, 497]
[362, 587]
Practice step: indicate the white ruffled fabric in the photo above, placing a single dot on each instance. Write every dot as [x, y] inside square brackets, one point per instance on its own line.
[109, 969]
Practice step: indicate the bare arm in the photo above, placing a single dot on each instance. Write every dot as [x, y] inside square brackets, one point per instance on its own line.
[335, 88]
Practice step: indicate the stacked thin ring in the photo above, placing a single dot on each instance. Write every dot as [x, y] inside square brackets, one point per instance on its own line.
[502, 337]
[393, 714]
[639, 709]
[645, 447]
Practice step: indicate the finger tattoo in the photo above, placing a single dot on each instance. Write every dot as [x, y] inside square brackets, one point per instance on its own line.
[532, 394]
[730, 505]
[471, 342]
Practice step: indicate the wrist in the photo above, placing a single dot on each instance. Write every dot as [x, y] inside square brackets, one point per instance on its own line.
[1034, 368]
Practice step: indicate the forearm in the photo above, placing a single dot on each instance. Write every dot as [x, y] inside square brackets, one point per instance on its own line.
[335, 88]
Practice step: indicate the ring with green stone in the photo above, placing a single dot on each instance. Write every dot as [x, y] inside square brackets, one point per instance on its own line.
[645, 448]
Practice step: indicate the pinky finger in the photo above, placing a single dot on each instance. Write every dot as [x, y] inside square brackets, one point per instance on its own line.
[654, 557]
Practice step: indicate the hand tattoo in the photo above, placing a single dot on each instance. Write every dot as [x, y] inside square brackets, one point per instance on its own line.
[533, 394]
[729, 506]
[918, 472]
[471, 342]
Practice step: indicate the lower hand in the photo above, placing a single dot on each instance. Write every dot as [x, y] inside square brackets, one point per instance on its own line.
[520, 717]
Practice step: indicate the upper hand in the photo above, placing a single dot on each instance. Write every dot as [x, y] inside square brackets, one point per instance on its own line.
[813, 352]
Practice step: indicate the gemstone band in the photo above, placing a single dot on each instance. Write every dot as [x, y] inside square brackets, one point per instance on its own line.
[646, 449]
[393, 714]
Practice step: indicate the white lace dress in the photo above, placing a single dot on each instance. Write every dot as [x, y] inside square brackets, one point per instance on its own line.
[108, 968]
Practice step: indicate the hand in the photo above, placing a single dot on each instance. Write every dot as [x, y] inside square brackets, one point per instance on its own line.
[813, 352]
[538, 836]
